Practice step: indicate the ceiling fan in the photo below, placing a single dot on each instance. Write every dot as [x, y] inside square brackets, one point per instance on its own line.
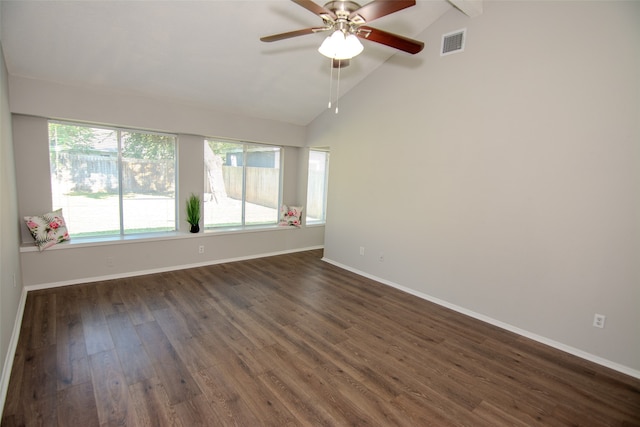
[346, 21]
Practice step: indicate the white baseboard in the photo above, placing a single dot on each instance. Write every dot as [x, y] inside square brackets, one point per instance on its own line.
[163, 269]
[11, 351]
[551, 343]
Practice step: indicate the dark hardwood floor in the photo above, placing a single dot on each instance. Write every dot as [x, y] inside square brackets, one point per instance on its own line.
[289, 340]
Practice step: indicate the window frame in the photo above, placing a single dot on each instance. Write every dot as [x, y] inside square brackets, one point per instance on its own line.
[122, 233]
[242, 225]
[322, 221]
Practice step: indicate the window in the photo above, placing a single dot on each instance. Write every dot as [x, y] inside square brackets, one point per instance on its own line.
[112, 181]
[242, 184]
[317, 185]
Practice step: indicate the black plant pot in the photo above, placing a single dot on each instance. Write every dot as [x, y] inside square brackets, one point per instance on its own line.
[195, 228]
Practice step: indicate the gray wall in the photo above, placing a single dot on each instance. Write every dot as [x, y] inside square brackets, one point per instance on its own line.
[502, 181]
[10, 276]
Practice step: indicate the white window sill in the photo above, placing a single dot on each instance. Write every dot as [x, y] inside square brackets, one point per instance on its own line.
[315, 224]
[79, 242]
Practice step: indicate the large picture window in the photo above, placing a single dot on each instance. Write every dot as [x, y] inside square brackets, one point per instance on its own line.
[317, 185]
[242, 184]
[111, 181]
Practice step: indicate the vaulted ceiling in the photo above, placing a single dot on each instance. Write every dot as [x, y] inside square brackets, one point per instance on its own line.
[203, 53]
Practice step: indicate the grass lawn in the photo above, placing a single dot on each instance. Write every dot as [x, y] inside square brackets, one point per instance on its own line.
[91, 215]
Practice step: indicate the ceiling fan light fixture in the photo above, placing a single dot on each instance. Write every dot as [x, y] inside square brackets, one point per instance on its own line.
[339, 46]
[353, 46]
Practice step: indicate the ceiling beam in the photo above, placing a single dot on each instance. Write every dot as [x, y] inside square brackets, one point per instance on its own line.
[471, 8]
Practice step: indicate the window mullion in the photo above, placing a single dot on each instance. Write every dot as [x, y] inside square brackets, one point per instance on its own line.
[120, 183]
[244, 183]
[326, 187]
[280, 184]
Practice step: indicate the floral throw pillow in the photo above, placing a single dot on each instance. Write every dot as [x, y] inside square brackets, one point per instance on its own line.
[290, 215]
[48, 229]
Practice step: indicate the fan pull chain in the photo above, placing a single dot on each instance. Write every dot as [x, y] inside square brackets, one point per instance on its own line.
[330, 80]
[338, 86]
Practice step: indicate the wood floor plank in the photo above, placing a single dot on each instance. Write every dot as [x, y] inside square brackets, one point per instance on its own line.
[13, 406]
[533, 408]
[173, 373]
[360, 399]
[39, 379]
[212, 321]
[35, 401]
[496, 416]
[184, 300]
[438, 407]
[176, 325]
[499, 383]
[196, 346]
[247, 325]
[224, 398]
[72, 362]
[111, 393]
[310, 348]
[41, 412]
[76, 406]
[388, 380]
[109, 298]
[97, 337]
[197, 412]
[198, 353]
[419, 414]
[257, 397]
[270, 331]
[151, 404]
[123, 332]
[291, 378]
[89, 305]
[137, 365]
[133, 302]
[289, 340]
[152, 291]
[42, 321]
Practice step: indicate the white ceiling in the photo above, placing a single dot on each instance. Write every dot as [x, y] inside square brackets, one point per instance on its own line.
[205, 53]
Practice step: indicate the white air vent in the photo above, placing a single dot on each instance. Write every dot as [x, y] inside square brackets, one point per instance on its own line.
[453, 42]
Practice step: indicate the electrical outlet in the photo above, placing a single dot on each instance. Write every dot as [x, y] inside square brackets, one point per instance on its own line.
[381, 257]
[110, 262]
[598, 320]
[201, 249]
[361, 250]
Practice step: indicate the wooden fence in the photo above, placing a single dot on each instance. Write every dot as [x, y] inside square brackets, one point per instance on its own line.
[262, 185]
[99, 173]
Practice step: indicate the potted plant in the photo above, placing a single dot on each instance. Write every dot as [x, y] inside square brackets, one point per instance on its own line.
[193, 213]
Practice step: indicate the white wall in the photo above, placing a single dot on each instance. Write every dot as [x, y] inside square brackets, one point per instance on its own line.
[504, 180]
[10, 277]
[32, 102]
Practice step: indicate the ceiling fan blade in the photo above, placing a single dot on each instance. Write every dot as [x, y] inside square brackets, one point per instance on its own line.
[379, 8]
[389, 39]
[315, 8]
[290, 34]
